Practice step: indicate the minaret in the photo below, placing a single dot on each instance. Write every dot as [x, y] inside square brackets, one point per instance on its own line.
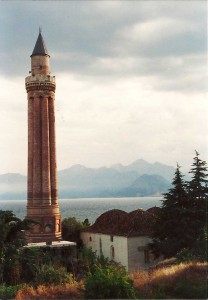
[42, 203]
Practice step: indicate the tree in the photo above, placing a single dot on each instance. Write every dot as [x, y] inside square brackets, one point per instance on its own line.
[183, 215]
[168, 237]
[11, 239]
[86, 223]
[198, 196]
[198, 251]
[71, 230]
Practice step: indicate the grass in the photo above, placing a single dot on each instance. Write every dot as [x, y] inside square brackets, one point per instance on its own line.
[183, 281]
[66, 291]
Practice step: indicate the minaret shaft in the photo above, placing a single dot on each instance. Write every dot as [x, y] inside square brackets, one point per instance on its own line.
[37, 132]
[42, 173]
[30, 150]
[53, 168]
[46, 182]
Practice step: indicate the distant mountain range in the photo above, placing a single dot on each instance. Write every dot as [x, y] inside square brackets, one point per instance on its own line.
[137, 179]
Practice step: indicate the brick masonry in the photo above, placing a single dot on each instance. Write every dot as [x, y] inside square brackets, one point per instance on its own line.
[42, 205]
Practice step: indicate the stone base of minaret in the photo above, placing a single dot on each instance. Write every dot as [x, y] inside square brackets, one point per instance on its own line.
[47, 224]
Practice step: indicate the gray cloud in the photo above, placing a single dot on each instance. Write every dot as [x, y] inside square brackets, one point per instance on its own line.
[130, 79]
[82, 36]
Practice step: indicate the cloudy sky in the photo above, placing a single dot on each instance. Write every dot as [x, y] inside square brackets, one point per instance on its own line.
[130, 80]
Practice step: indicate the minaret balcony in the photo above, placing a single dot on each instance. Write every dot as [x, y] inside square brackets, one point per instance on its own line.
[40, 82]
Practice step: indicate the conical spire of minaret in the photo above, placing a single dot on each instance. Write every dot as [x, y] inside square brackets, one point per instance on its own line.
[40, 47]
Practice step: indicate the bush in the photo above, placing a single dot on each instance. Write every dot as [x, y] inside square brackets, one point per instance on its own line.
[11, 240]
[190, 290]
[67, 291]
[9, 292]
[109, 283]
[48, 274]
[88, 259]
[31, 260]
[198, 252]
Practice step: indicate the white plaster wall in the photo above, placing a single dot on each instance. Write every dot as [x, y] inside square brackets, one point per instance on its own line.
[136, 257]
[119, 243]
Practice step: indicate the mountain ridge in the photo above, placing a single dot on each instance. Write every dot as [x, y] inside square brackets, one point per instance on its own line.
[138, 178]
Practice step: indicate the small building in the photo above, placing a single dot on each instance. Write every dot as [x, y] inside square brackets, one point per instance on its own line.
[123, 237]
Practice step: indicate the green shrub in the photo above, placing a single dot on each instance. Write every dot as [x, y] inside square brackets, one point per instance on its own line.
[9, 292]
[109, 283]
[188, 290]
[31, 260]
[48, 274]
[88, 259]
[198, 251]
[159, 293]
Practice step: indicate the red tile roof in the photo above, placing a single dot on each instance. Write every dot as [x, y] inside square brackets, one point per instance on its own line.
[118, 222]
[154, 210]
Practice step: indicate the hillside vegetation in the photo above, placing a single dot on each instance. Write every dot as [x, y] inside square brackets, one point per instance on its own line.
[183, 281]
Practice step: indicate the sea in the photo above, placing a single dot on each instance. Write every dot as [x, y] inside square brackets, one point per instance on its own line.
[86, 208]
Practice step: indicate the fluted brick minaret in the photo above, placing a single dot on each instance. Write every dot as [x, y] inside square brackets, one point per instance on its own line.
[42, 203]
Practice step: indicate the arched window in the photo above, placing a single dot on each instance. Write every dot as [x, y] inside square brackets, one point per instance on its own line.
[112, 253]
[146, 256]
[101, 249]
[48, 228]
[36, 228]
[58, 227]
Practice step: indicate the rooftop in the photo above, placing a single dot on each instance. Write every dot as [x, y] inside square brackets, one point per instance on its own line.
[121, 223]
[40, 47]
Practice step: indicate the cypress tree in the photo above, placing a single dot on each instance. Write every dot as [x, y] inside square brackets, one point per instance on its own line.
[198, 196]
[182, 220]
[172, 221]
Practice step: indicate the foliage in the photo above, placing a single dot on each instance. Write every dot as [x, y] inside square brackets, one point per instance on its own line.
[66, 291]
[88, 259]
[198, 196]
[183, 214]
[71, 230]
[31, 260]
[48, 274]
[86, 223]
[32, 264]
[172, 220]
[9, 292]
[11, 240]
[109, 283]
[183, 281]
[198, 252]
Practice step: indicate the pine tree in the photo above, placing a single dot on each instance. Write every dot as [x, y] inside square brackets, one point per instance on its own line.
[182, 219]
[172, 221]
[198, 196]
